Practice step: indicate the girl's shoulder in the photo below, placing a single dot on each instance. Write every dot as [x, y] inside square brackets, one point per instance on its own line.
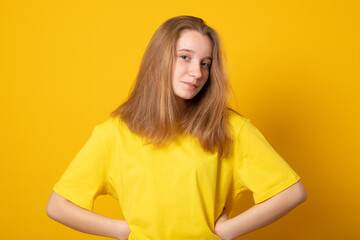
[236, 120]
[109, 124]
[115, 129]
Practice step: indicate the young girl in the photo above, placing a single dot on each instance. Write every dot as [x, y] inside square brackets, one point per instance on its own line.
[174, 155]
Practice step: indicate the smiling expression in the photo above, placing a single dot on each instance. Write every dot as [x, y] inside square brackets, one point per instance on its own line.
[192, 64]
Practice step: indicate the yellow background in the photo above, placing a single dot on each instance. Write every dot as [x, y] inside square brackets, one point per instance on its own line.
[294, 67]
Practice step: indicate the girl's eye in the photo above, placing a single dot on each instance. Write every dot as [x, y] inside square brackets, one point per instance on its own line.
[184, 57]
[205, 64]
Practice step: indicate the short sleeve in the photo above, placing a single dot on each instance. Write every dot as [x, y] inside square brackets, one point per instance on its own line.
[85, 178]
[258, 167]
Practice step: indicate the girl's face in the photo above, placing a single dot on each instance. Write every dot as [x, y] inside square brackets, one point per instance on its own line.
[192, 64]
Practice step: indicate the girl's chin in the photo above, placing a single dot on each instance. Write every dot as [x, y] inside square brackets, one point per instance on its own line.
[186, 97]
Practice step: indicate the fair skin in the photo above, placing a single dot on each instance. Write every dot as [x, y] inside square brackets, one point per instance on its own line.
[190, 73]
[83, 220]
[260, 214]
[192, 65]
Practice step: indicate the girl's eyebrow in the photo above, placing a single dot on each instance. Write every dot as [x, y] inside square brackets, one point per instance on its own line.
[191, 51]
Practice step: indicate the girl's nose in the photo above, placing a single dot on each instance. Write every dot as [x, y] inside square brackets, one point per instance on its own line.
[195, 70]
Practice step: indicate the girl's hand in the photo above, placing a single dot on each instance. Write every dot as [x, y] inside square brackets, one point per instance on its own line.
[221, 226]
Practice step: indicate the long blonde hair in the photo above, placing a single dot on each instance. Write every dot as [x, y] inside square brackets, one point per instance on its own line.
[151, 110]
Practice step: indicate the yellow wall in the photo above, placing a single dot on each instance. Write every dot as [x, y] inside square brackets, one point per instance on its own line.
[294, 66]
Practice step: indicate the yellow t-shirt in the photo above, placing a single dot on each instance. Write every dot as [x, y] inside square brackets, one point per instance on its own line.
[177, 191]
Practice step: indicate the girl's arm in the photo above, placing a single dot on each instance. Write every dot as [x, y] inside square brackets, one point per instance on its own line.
[260, 214]
[78, 218]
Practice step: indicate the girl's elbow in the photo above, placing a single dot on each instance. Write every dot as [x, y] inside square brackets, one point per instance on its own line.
[50, 209]
[302, 198]
[301, 193]
[52, 206]
[294, 195]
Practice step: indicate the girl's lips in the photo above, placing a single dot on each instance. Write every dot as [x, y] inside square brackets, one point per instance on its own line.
[190, 85]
